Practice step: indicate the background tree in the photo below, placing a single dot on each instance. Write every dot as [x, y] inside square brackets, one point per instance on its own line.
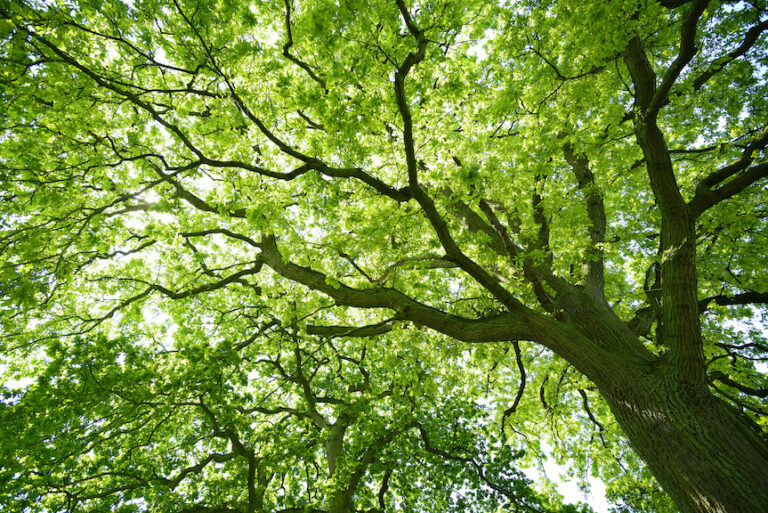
[199, 199]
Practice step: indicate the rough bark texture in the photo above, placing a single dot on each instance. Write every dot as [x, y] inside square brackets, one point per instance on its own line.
[702, 451]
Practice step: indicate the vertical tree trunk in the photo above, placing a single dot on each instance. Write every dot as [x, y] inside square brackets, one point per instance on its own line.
[702, 451]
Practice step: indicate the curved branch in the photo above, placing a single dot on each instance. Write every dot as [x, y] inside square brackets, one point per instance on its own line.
[287, 49]
[588, 411]
[750, 38]
[726, 380]
[520, 388]
[503, 327]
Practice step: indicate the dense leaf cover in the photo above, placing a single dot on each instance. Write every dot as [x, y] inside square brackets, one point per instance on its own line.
[307, 256]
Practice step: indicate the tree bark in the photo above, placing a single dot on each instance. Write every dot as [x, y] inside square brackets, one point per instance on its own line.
[706, 454]
[702, 451]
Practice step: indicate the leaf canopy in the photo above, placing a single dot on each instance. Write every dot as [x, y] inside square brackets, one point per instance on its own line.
[245, 245]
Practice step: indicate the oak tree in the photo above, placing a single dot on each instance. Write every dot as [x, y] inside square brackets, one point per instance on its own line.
[340, 256]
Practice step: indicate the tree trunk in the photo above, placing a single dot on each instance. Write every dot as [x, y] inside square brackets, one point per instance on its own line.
[708, 456]
[703, 452]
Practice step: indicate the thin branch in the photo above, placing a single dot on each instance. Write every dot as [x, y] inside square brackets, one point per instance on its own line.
[520, 388]
[501, 488]
[594, 70]
[287, 49]
[310, 163]
[750, 38]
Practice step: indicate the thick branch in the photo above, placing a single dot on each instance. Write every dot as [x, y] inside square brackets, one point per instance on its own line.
[540, 218]
[742, 177]
[685, 54]
[502, 327]
[645, 317]
[673, 4]
[735, 167]
[427, 204]
[280, 409]
[745, 298]
[704, 201]
[680, 324]
[593, 267]
[726, 380]
[585, 354]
